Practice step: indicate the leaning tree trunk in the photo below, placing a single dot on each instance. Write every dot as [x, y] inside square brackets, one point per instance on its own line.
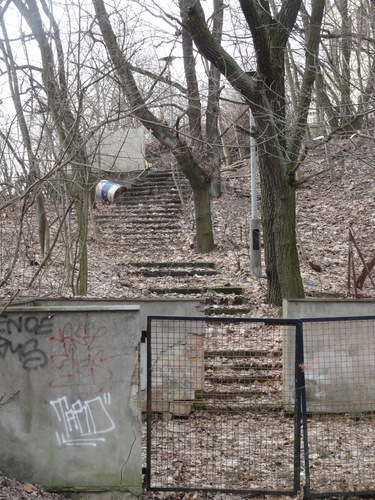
[82, 209]
[213, 107]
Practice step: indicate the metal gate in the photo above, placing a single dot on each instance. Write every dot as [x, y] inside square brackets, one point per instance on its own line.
[339, 406]
[215, 414]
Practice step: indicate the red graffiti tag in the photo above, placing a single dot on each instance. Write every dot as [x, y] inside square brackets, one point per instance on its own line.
[84, 358]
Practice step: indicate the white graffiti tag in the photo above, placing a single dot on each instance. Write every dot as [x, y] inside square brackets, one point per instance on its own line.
[83, 422]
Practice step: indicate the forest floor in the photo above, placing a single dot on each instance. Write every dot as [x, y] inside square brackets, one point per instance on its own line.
[327, 210]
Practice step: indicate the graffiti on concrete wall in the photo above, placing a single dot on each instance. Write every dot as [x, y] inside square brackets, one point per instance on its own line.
[28, 353]
[79, 354]
[83, 356]
[83, 423]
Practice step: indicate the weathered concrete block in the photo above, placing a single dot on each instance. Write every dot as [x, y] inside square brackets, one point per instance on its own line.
[74, 422]
[177, 366]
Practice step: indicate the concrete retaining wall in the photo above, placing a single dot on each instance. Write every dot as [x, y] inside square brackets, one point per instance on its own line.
[120, 150]
[73, 422]
[339, 362]
[75, 374]
[148, 307]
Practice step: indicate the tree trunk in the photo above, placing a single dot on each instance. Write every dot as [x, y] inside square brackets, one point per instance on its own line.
[213, 108]
[194, 108]
[279, 234]
[55, 86]
[34, 171]
[82, 209]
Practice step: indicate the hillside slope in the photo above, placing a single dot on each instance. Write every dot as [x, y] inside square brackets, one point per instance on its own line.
[326, 210]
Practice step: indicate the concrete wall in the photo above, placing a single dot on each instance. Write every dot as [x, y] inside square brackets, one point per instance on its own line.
[120, 150]
[328, 308]
[73, 367]
[339, 362]
[148, 307]
[177, 351]
[73, 422]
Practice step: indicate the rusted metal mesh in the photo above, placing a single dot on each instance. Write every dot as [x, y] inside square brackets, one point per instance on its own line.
[339, 369]
[217, 419]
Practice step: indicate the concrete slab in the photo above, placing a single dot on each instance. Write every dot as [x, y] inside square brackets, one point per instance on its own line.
[73, 423]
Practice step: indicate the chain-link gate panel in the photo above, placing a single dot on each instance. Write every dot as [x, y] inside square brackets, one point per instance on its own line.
[339, 419]
[215, 417]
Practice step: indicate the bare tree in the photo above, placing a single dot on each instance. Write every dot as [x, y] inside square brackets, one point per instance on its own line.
[65, 120]
[266, 95]
[345, 89]
[33, 170]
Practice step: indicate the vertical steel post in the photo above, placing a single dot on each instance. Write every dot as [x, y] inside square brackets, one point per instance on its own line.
[147, 481]
[300, 413]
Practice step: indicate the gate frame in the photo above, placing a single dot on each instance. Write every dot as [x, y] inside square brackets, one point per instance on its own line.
[298, 398]
[308, 488]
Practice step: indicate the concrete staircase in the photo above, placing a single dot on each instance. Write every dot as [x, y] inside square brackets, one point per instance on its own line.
[148, 215]
[148, 212]
[216, 300]
[246, 380]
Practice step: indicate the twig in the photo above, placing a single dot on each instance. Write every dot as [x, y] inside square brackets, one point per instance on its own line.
[8, 304]
[10, 398]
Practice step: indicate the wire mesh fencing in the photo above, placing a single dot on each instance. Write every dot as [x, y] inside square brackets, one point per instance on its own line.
[339, 373]
[215, 408]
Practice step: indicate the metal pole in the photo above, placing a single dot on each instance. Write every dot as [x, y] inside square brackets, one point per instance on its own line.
[255, 255]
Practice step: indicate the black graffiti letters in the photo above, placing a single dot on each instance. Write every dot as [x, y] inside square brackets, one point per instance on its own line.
[26, 324]
[29, 354]
[12, 330]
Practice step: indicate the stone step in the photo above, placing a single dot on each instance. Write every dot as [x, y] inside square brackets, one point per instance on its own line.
[127, 227]
[227, 310]
[150, 194]
[136, 218]
[146, 209]
[147, 191]
[144, 217]
[175, 272]
[149, 236]
[243, 353]
[132, 235]
[154, 221]
[156, 174]
[237, 300]
[243, 365]
[210, 265]
[222, 396]
[161, 202]
[236, 406]
[155, 184]
[261, 378]
[176, 269]
[137, 243]
[198, 290]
